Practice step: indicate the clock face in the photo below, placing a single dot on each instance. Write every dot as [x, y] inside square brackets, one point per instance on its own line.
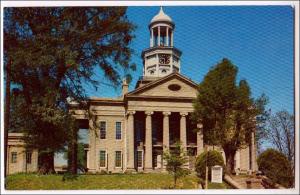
[164, 58]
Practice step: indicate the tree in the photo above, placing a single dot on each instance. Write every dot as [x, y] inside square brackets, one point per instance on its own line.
[7, 115]
[55, 50]
[81, 158]
[281, 134]
[210, 159]
[175, 159]
[276, 166]
[226, 110]
[261, 121]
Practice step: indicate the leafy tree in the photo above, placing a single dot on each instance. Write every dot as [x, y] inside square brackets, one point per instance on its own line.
[281, 133]
[276, 166]
[81, 158]
[53, 51]
[176, 158]
[226, 110]
[210, 159]
[261, 121]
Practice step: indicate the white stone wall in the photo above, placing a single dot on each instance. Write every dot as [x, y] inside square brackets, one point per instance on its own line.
[16, 144]
[111, 115]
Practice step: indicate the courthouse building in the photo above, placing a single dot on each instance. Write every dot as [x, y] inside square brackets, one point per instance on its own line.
[131, 132]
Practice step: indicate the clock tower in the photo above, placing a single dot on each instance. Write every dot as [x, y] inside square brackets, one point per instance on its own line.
[161, 58]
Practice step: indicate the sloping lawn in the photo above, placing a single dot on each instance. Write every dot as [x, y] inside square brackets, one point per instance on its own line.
[218, 186]
[99, 182]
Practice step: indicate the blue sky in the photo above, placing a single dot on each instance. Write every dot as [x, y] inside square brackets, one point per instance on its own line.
[257, 39]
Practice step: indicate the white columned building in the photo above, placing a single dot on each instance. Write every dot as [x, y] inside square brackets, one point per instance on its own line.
[144, 123]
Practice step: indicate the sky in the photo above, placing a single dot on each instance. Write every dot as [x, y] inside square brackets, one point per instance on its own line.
[259, 40]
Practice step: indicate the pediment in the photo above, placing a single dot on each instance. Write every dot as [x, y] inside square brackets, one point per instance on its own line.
[173, 85]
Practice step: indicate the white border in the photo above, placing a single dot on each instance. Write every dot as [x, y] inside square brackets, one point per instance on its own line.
[294, 4]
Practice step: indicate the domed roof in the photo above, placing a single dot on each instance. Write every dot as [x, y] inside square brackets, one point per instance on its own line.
[161, 17]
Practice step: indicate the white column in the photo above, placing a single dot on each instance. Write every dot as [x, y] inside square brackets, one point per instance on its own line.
[166, 134]
[253, 152]
[151, 38]
[172, 38]
[183, 130]
[167, 36]
[92, 143]
[88, 159]
[199, 139]
[148, 140]
[158, 36]
[130, 140]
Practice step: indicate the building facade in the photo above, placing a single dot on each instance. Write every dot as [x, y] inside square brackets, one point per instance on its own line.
[20, 159]
[131, 132]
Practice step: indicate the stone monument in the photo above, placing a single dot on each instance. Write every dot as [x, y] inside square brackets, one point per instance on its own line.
[217, 174]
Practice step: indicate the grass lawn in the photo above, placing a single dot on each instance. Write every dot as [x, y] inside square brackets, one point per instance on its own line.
[98, 182]
[219, 186]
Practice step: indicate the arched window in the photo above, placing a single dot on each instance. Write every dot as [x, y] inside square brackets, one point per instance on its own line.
[151, 71]
[164, 71]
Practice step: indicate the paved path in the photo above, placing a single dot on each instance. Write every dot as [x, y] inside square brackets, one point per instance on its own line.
[241, 180]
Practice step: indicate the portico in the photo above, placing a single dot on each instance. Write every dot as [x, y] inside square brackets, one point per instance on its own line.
[153, 136]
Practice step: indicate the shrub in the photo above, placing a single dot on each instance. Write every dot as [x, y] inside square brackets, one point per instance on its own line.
[276, 166]
[214, 158]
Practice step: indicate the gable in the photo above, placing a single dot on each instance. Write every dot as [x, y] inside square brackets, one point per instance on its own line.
[170, 86]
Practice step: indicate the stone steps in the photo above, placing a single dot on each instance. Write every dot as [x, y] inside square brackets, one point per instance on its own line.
[248, 182]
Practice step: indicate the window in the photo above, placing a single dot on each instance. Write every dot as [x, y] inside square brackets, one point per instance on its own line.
[102, 158]
[151, 72]
[118, 130]
[164, 71]
[13, 157]
[28, 157]
[102, 130]
[140, 158]
[118, 159]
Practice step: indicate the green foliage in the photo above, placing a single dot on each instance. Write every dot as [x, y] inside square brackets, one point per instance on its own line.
[80, 155]
[53, 51]
[261, 120]
[276, 166]
[281, 133]
[176, 158]
[226, 110]
[209, 158]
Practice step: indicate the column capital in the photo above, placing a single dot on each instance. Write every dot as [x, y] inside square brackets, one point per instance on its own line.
[148, 113]
[183, 114]
[166, 113]
[130, 112]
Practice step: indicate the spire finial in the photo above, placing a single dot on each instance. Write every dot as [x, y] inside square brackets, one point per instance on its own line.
[161, 9]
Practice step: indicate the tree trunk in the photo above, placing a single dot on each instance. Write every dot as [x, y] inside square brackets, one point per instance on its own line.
[72, 153]
[46, 161]
[7, 113]
[229, 161]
